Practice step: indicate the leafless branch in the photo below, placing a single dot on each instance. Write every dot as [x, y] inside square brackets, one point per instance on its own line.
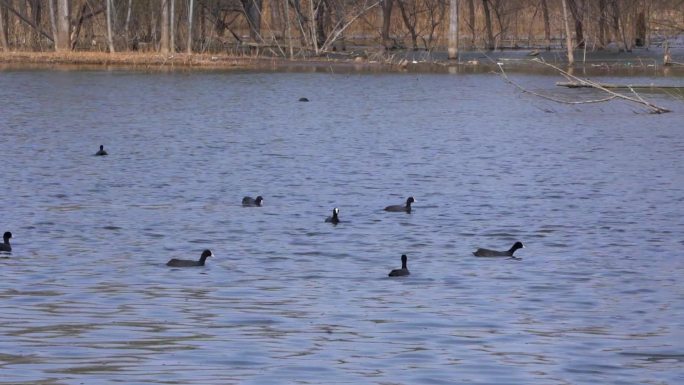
[654, 108]
[547, 97]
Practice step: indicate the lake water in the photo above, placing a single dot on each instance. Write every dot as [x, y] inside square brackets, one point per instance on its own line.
[596, 193]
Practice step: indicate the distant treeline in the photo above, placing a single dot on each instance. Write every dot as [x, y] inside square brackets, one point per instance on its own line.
[310, 27]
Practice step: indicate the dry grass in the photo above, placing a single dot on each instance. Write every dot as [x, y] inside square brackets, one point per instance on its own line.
[147, 59]
[156, 60]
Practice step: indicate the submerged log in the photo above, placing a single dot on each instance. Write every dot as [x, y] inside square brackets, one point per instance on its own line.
[615, 86]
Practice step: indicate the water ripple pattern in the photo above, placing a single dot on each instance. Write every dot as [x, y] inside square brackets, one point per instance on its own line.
[595, 192]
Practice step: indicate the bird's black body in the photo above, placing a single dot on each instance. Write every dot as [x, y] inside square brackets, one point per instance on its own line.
[190, 263]
[252, 202]
[401, 208]
[334, 219]
[5, 245]
[403, 271]
[496, 253]
[102, 151]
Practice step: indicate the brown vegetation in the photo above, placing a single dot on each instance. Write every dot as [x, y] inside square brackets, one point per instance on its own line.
[305, 28]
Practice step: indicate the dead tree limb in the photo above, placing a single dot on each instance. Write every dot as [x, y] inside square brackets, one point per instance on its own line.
[339, 28]
[547, 97]
[654, 108]
[25, 19]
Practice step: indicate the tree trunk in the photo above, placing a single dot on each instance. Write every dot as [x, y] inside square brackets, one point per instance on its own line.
[577, 11]
[287, 24]
[164, 24]
[568, 36]
[602, 24]
[110, 39]
[191, 7]
[53, 20]
[127, 24]
[202, 28]
[453, 29]
[63, 43]
[386, 21]
[312, 15]
[36, 13]
[172, 26]
[4, 30]
[619, 38]
[488, 25]
[640, 38]
[547, 25]
[252, 10]
[73, 37]
[322, 16]
[471, 22]
[407, 22]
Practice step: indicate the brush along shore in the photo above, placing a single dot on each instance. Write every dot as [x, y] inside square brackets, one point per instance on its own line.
[181, 60]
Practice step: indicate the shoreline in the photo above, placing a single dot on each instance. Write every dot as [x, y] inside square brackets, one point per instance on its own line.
[598, 63]
[176, 61]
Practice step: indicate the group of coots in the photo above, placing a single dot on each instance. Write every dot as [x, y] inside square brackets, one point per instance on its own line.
[334, 219]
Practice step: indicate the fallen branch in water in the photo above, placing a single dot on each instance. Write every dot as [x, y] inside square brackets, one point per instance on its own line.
[573, 84]
[547, 97]
[638, 99]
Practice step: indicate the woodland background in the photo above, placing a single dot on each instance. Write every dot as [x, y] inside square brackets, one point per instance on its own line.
[302, 28]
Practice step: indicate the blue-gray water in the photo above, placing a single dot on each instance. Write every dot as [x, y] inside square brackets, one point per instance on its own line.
[596, 192]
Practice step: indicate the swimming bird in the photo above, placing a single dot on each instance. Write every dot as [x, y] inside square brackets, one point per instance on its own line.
[188, 262]
[251, 202]
[400, 272]
[399, 208]
[303, 99]
[102, 151]
[333, 219]
[495, 253]
[5, 246]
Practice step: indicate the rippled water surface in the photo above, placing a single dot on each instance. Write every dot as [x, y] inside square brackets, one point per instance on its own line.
[596, 193]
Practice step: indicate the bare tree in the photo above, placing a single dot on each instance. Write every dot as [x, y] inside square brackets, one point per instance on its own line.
[453, 30]
[568, 36]
[617, 31]
[547, 26]
[63, 42]
[436, 11]
[577, 9]
[191, 7]
[53, 20]
[172, 24]
[4, 30]
[386, 6]
[36, 12]
[602, 19]
[410, 17]
[488, 24]
[252, 10]
[110, 40]
[127, 23]
[164, 23]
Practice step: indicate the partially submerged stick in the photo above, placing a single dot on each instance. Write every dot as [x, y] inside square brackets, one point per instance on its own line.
[573, 84]
[654, 108]
[547, 97]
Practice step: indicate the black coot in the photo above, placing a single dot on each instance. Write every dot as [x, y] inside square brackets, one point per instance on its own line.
[401, 208]
[189, 262]
[102, 151]
[252, 202]
[5, 246]
[334, 219]
[403, 271]
[496, 253]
